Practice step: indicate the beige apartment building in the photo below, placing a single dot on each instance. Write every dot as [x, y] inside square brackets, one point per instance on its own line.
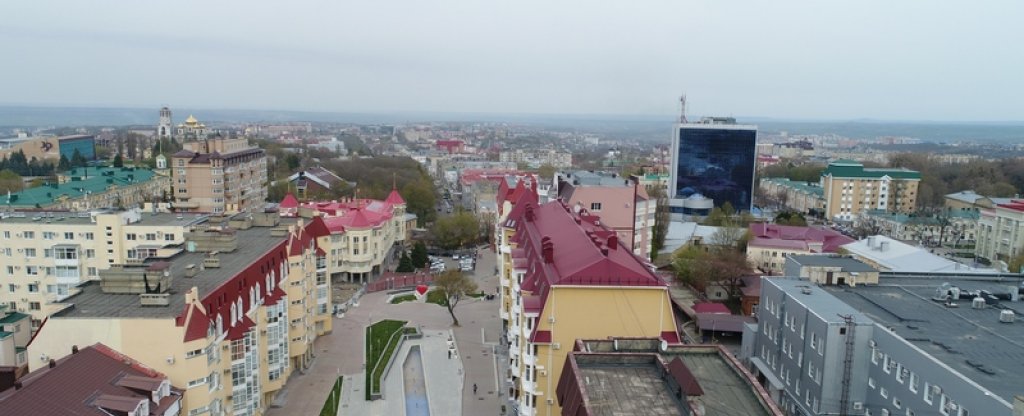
[1001, 233]
[219, 175]
[45, 257]
[228, 319]
[622, 204]
[849, 188]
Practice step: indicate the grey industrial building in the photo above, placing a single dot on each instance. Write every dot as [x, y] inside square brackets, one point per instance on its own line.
[925, 345]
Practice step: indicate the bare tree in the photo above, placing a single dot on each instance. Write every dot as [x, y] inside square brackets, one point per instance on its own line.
[454, 286]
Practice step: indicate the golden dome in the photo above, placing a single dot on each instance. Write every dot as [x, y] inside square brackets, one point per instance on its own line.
[191, 120]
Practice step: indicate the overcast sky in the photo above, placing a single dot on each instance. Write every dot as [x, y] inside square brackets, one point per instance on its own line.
[900, 60]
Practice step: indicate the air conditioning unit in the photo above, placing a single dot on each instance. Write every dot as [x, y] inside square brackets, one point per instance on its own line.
[556, 345]
[170, 360]
[858, 406]
[544, 373]
[936, 390]
[551, 319]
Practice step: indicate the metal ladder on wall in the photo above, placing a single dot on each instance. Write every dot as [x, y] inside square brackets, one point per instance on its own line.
[844, 394]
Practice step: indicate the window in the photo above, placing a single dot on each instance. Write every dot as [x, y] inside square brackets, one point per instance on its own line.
[89, 236]
[30, 252]
[69, 235]
[32, 270]
[595, 206]
[34, 306]
[12, 287]
[92, 271]
[32, 234]
[150, 236]
[896, 402]
[887, 364]
[194, 353]
[10, 269]
[33, 288]
[169, 237]
[130, 236]
[929, 392]
[90, 253]
[883, 392]
[871, 382]
[65, 253]
[7, 235]
[944, 405]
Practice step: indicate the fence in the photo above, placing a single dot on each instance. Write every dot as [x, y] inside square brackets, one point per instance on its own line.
[399, 281]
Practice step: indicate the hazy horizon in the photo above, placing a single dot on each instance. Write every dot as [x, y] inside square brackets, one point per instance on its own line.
[793, 60]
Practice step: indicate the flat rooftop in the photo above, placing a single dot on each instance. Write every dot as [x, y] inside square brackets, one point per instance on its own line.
[849, 264]
[84, 218]
[971, 341]
[91, 302]
[627, 388]
[727, 390]
[815, 299]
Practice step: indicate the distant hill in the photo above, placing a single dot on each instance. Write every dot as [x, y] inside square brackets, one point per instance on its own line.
[653, 127]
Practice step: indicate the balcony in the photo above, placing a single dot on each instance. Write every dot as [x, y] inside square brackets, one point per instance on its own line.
[531, 387]
[516, 310]
[504, 315]
[514, 369]
[529, 359]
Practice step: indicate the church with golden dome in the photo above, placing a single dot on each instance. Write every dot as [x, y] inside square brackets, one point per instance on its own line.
[192, 129]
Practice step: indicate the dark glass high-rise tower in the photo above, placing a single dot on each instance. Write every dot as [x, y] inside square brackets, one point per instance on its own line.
[714, 158]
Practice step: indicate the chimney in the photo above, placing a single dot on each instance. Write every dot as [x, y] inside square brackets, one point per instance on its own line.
[53, 363]
[529, 213]
[74, 349]
[604, 251]
[613, 242]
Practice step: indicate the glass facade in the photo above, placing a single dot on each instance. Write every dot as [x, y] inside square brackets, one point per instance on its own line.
[717, 162]
[86, 146]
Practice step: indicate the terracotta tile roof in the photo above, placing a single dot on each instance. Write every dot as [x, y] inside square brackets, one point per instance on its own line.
[289, 201]
[796, 238]
[394, 198]
[85, 383]
[711, 307]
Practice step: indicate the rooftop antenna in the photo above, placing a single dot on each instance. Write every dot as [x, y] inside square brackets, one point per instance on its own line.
[682, 108]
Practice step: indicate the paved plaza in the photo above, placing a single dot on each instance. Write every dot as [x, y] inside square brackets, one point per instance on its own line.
[341, 353]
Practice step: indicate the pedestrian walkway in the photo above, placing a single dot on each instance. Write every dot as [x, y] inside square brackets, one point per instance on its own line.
[341, 353]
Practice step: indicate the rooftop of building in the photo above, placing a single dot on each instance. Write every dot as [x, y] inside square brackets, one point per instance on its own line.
[793, 237]
[82, 181]
[589, 178]
[847, 263]
[971, 197]
[971, 341]
[711, 376]
[897, 256]
[845, 168]
[254, 242]
[815, 299]
[95, 380]
[132, 217]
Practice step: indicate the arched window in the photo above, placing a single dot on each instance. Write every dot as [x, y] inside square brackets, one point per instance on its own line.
[234, 314]
[220, 325]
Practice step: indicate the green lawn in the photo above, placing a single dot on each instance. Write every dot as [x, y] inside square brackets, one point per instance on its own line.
[331, 405]
[435, 296]
[379, 346]
[403, 298]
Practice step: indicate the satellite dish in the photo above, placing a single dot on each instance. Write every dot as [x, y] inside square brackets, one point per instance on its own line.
[664, 345]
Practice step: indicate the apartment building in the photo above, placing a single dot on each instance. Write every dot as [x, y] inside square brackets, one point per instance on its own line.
[623, 205]
[15, 334]
[46, 256]
[953, 227]
[802, 197]
[94, 380]
[849, 188]
[769, 244]
[564, 277]
[1001, 232]
[364, 235]
[218, 175]
[87, 188]
[537, 157]
[228, 319]
[913, 353]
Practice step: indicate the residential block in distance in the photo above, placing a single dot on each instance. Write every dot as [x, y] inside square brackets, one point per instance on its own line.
[849, 188]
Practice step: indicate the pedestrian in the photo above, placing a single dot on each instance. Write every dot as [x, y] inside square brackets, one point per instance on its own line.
[474, 388]
[449, 354]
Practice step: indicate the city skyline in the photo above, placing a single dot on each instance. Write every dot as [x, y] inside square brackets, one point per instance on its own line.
[798, 60]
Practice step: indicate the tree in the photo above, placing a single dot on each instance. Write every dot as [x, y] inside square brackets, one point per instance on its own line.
[546, 171]
[10, 181]
[118, 161]
[727, 237]
[455, 286]
[722, 266]
[405, 264]
[791, 218]
[292, 161]
[457, 230]
[419, 257]
[64, 164]
[661, 219]
[77, 160]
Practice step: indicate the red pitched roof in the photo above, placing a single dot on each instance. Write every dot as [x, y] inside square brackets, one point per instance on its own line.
[289, 201]
[80, 383]
[796, 237]
[540, 337]
[394, 198]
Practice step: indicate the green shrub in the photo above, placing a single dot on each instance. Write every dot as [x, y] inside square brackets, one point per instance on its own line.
[379, 346]
[403, 298]
[333, 398]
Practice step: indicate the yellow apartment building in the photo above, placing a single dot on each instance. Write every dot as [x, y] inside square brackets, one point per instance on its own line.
[46, 256]
[228, 318]
[218, 175]
[566, 277]
[849, 188]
